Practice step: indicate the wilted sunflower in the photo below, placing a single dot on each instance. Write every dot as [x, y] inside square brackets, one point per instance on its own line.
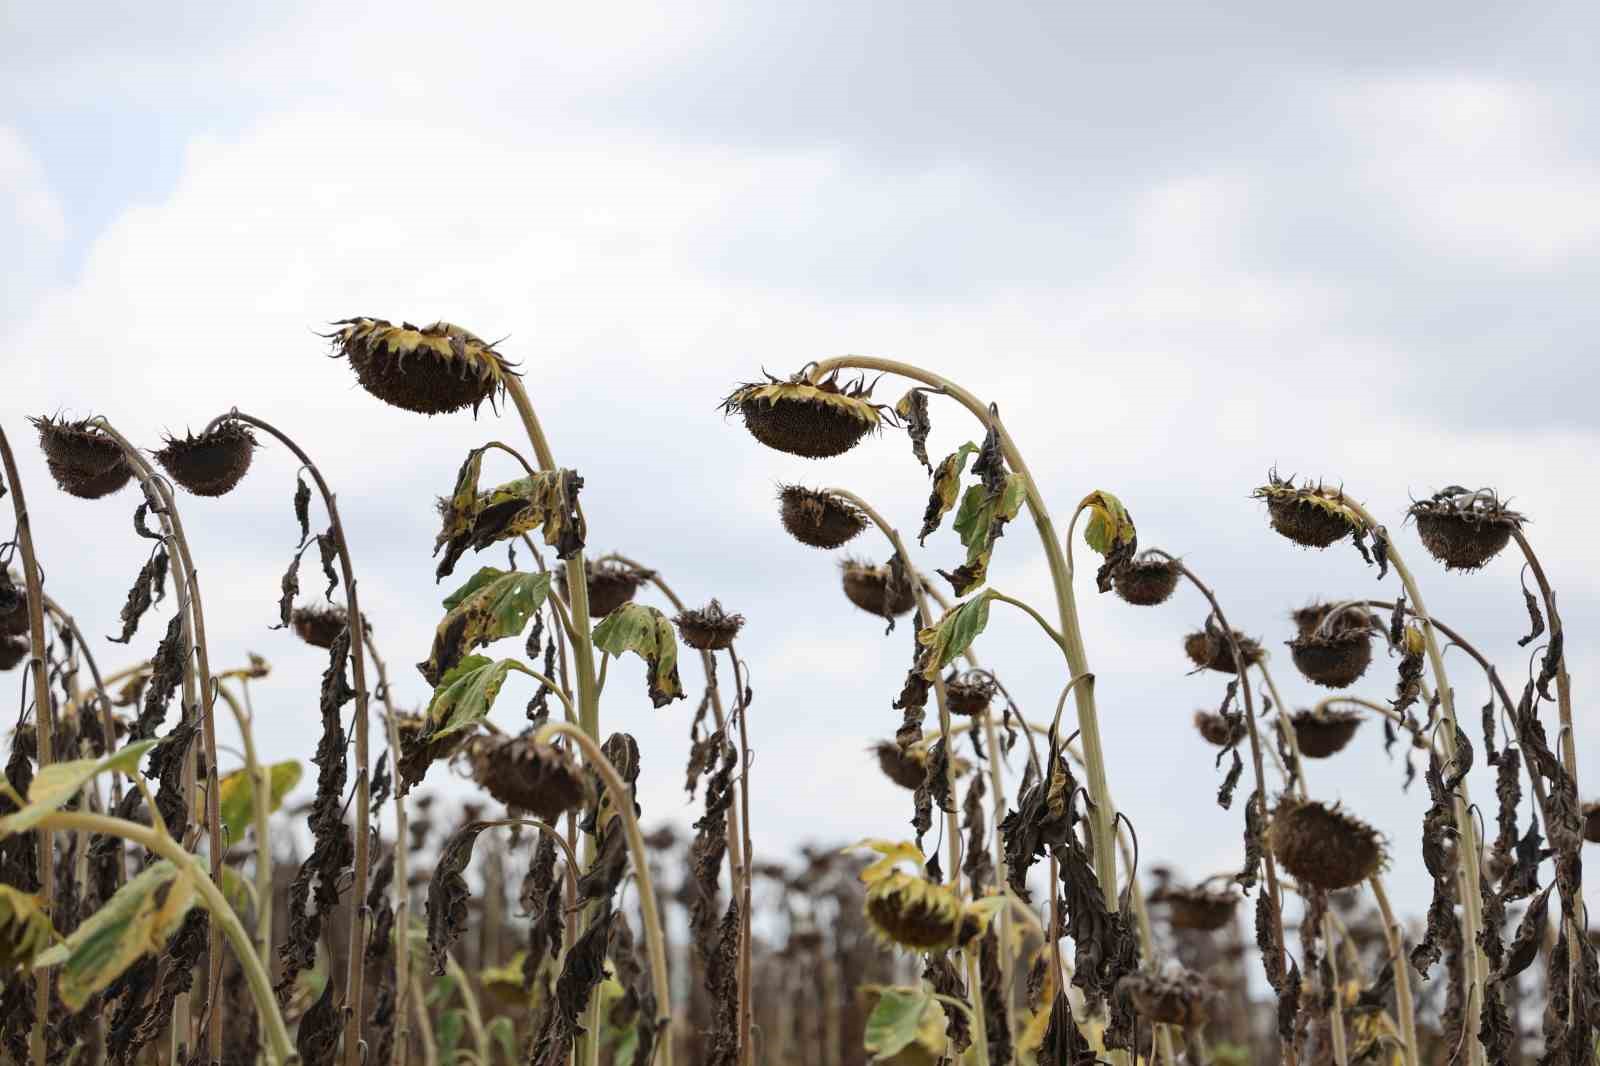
[431, 370]
[1591, 822]
[1208, 649]
[1312, 515]
[1323, 846]
[1175, 996]
[321, 625]
[709, 628]
[1148, 580]
[1464, 529]
[914, 912]
[212, 463]
[1325, 732]
[13, 606]
[969, 693]
[1335, 651]
[611, 584]
[908, 769]
[1199, 908]
[1218, 730]
[819, 519]
[874, 590]
[814, 420]
[534, 777]
[13, 650]
[84, 460]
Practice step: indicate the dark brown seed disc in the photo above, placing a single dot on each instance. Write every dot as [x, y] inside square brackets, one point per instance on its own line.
[709, 628]
[1215, 729]
[1146, 582]
[912, 919]
[970, 693]
[533, 777]
[433, 370]
[1591, 822]
[819, 519]
[1201, 909]
[13, 650]
[319, 626]
[1177, 999]
[90, 486]
[13, 609]
[1333, 662]
[899, 767]
[867, 587]
[1462, 543]
[1306, 523]
[1323, 846]
[212, 463]
[803, 427]
[1323, 734]
[1211, 652]
[79, 449]
[611, 584]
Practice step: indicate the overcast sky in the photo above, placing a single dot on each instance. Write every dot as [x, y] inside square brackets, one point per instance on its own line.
[1177, 244]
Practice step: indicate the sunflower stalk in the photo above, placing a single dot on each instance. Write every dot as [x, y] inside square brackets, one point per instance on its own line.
[260, 801]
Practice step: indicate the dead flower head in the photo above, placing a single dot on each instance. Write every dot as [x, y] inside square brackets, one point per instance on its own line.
[969, 693]
[1217, 730]
[1322, 845]
[709, 628]
[816, 420]
[13, 650]
[212, 463]
[431, 370]
[611, 584]
[533, 777]
[1147, 580]
[1198, 908]
[1208, 649]
[1464, 529]
[319, 626]
[1334, 647]
[908, 909]
[1312, 515]
[1591, 822]
[84, 460]
[819, 519]
[1325, 732]
[873, 589]
[1175, 996]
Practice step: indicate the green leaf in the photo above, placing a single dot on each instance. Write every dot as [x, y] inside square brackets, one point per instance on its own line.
[1109, 525]
[493, 605]
[239, 892]
[55, 784]
[236, 795]
[953, 634]
[896, 1021]
[448, 1032]
[25, 929]
[946, 485]
[980, 521]
[647, 633]
[466, 694]
[140, 918]
[503, 1031]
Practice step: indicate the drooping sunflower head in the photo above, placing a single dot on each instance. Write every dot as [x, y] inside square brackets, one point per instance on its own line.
[907, 909]
[13, 650]
[1208, 649]
[1312, 515]
[816, 420]
[1217, 730]
[1591, 822]
[1334, 647]
[84, 460]
[431, 370]
[1198, 907]
[1324, 846]
[819, 519]
[1464, 529]
[1175, 996]
[320, 625]
[1147, 580]
[876, 589]
[907, 768]
[709, 628]
[1324, 732]
[533, 777]
[611, 583]
[212, 463]
[13, 606]
[970, 693]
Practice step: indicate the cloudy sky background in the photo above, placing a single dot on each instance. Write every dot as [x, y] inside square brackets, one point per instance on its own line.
[1176, 246]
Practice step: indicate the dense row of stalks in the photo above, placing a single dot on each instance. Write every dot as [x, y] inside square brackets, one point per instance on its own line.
[146, 916]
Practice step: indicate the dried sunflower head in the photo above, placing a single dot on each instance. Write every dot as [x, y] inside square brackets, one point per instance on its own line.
[873, 589]
[611, 584]
[1334, 647]
[319, 626]
[1147, 580]
[1322, 845]
[1198, 908]
[13, 650]
[1325, 732]
[84, 460]
[212, 463]
[1208, 649]
[1217, 730]
[1175, 996]
[906, 768]
[1312, 515]
[819, 519]
[969, 693]
[1591, 822]
[1464, 529]
[816, 420]
[709, 628]
[431, 370]
[909, 910]
[534, 777]
[13, 606]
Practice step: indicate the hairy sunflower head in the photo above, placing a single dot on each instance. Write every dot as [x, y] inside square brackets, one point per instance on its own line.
[1324, 846]
[212, 463]
[430, 369]
[819, 519]
[1462, 528]
[1312, 515]
[85, 461]
[816, 420]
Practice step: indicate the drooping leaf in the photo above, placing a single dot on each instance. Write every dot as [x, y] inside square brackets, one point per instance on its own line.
[913, 412]
[302, 507]
[952, 635]
[946, 487]
[546, 501]
[466, 694]
[492, 605]
[236, 795]
[53, 785]
[25, 929]
[897, 1022]
[140, 918]
[981, 521]
[1110, 532]
[647, 633]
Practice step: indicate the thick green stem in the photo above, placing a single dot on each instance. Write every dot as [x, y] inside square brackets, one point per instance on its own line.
[469, 999]
[280, 1051]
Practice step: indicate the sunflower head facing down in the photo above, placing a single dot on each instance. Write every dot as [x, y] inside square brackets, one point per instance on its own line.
[909, 910]
[429, 369]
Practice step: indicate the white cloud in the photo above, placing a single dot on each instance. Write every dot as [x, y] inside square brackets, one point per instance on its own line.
[32, 224]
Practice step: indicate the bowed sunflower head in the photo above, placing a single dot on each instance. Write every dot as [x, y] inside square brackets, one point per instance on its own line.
[1218, 730]
[84, 460]
[1324, 732]
[611, 584]
[319, 626]
[1208, 649]
[970, 693]
[1198, 908]
[1464, 529]
[911, 911]
[532, 777]
[1312, 515]
[13, 650]
[1147, 580]
[813, 419]
[431, 370]
[1175, 996]
[876, 589]
[212, 463]
[1334, 647]
[1324, 846]
[709, 628]
[819, 519]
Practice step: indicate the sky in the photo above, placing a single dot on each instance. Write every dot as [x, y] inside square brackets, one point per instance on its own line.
[1177, 245]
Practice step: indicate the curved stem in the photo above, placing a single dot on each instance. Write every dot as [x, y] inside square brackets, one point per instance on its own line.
[419, 1006]
[1035, 615]
[280, 1050]
[655, 942]
[355, 1008]
[44, 724]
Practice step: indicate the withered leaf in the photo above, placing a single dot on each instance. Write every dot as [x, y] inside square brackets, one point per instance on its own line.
[142, 594]
[448, 893]
[1530, 934]
[302, 507]
[318, 1038]
[913, 412]
[328, 549]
